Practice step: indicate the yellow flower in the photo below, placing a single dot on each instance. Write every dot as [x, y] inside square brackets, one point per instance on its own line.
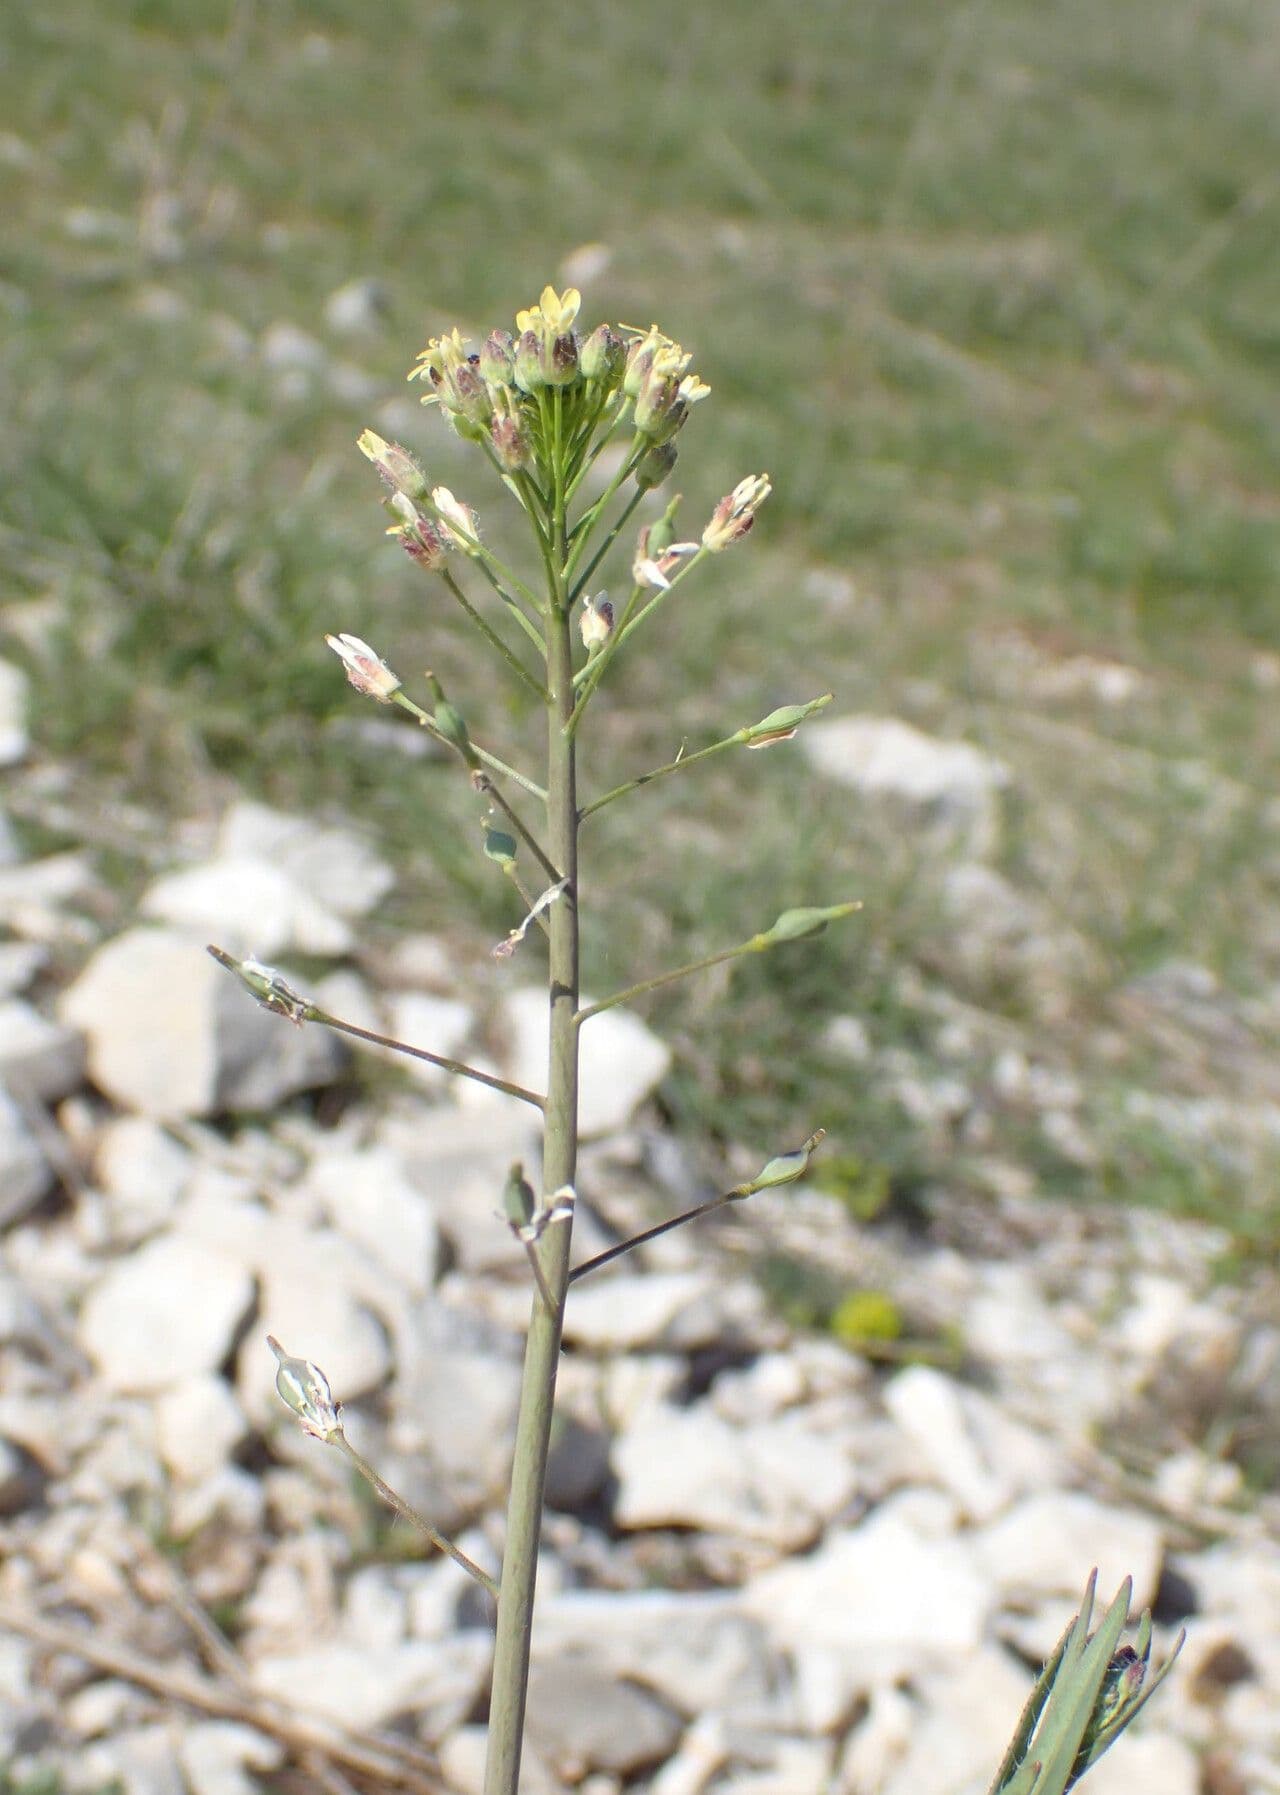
[554, 312]
[440, 354]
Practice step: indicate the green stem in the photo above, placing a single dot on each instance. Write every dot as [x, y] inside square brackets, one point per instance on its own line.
[428, 722]
[493, 638]
[410, 1514]
[580, 584]
[325, 1020]
[517, 610]
[666, 978]
[542, 1351]
[673, 766]
[483, 783]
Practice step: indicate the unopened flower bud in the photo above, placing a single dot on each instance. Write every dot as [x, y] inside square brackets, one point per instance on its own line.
[518, 1200]
[736, 513]
[366, 670]
[653, 404]
[422, 542]
[655, 466]
[469, 394]
[396, 465]
[528, 363]
[458, 520]
[304, 1388]
[497, 358]
[561, 361]
[639, 363]
[596, 623]
[603, 355]
[510, 444]
[451, 723]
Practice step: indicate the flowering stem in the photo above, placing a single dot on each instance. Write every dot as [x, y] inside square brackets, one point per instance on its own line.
[410, 1514]
[517, 610]
[314, 1014]
[491, 635]
[559, 1157]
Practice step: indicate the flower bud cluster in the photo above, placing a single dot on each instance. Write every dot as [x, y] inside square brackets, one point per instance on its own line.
[496, 395]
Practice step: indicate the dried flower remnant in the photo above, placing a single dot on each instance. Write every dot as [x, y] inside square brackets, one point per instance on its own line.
[596, 623]
[736, 513]
[365, 668]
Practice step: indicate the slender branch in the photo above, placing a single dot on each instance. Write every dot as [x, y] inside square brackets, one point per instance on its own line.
[483, 783]
[313, 1014]
[410, 1514]
[428, 722]
[580, 584]
[642, 1239]
[587, 522]
[517, 610]
[665, 978]
[491, 636]
[677, 765]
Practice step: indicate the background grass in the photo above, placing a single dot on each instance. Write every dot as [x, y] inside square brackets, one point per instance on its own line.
[993, 292]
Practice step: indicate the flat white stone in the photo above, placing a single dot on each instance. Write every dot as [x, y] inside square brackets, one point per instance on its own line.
[219, 1757]
[968, 1720]
[777, 1481]
[360, 1686]
[1145, 1763]
[622, 1060]
[440, 1024]
[336, 867]
[370, 1198]
[696, 1650]
[172, 1034]
[879, 1587]
[142, 1171]
[668, 1309]
[977, 1453]
[1048, 1544]
[249, 906]
[167, 1312]
[199, 1424]
[14, 739]
[25, 1173]
[38, 1057]
[953, 783]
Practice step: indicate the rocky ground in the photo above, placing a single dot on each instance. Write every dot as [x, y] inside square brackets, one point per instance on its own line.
[774, 1564]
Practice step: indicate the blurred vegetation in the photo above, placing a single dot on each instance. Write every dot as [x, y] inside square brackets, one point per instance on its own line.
[991, 291]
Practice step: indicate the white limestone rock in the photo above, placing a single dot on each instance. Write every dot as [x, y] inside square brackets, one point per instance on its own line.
[223, 1757]
[39, 1058]
[1049, 1542]
[142, 1171]
[360, 1686]
[952, 784]
[968, 1719]
[440, 1024]
[582, 1718]
[975, 1451]
[171, 1034]
[872, 1603]
[369, 1197]
[672, 1310]
[335, 866]
[166, 1313]
[249, 905]
[622, 1060]
[14, 737]
[25, 1174]
[199, 1424]
[778, 1481]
